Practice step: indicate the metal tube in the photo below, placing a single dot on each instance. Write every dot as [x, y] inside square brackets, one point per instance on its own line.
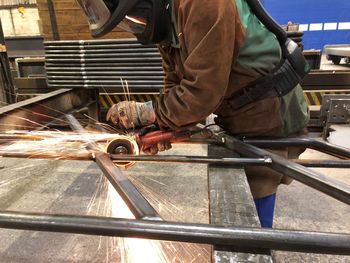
[107, 69]
[104, 60]
[254, 240]
[321, 146]
[53, 20]
[233, 162]
[99, 82]
[323, 163]
[110, 65]
[114, 78]
[94, 41]
[91, 46]
[192, 159]
[81, 50]
[83, 72]
[306, 176]
[138, 56]
[138, 205]
[109, 87]
[266, 161]
[49, 155]
[98, 42]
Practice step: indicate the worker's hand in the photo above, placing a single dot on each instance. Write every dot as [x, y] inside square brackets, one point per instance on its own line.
[153, 149]
[131, 114]
[159, 147]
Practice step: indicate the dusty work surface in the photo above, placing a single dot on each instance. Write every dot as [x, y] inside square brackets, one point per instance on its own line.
[301, 207]
[177, 191]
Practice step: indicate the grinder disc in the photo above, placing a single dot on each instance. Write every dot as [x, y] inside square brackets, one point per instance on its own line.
[123, 145]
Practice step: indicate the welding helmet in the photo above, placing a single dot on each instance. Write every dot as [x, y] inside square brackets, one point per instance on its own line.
[148, 20]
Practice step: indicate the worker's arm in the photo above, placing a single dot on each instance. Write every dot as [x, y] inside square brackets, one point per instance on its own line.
[171, 79]
[208, 39]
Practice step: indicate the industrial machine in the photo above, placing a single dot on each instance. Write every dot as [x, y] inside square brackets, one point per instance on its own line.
[336, 53]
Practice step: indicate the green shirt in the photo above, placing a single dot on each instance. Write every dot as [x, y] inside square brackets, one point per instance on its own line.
[262, 52]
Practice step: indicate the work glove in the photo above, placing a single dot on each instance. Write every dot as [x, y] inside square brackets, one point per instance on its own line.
[159, 147]
[155, 148]
[131, 114]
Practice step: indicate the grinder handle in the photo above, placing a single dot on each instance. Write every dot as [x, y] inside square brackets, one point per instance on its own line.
[155, 137]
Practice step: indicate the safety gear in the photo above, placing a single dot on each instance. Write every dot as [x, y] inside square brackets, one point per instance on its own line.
[285, 77]
[282, 80]
[148, 20]
[131, 114]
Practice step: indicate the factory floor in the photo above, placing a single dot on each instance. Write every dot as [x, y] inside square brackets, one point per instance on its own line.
[178, 192]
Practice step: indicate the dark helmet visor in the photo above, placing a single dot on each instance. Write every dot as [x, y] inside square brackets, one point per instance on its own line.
[96, 11]
[135, 21]
[129, 15]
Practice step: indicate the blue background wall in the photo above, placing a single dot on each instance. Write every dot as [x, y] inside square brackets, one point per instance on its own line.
[313, 11]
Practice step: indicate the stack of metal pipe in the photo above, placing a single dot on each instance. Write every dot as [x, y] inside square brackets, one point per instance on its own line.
[103, 64]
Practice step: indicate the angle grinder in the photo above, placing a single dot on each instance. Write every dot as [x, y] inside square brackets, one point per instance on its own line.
[134, 144]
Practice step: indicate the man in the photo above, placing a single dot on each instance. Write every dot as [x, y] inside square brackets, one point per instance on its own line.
[215, 56]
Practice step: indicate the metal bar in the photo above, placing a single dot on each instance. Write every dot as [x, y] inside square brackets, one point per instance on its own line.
[306, 176]
[102, 56]
[125, 69]
[254, 240]
[81, 50]
[323, 163]
[99, 64]
[192, 159]
[36, 112]
[114, 78]
[25, 46]
[327, 79]
[232, 162]
[102, 82]
[321, 146]
[48, 155]
[107, 72]
[227, 162]
[53, 20]
[102, 60]
[89, 46]
[111, 87]
[138, 205]
[94, 41]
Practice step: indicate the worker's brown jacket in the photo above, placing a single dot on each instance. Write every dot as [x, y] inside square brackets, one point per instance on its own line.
[204, 72]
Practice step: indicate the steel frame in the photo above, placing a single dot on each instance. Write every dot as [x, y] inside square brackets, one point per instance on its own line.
[253, 240]
[148, 223]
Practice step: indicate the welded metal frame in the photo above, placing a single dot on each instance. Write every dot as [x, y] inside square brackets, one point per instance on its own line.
[148, 223]
[252, 240]
[150, 226]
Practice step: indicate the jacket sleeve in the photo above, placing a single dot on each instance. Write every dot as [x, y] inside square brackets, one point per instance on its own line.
[208, 42]
[171, 79]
